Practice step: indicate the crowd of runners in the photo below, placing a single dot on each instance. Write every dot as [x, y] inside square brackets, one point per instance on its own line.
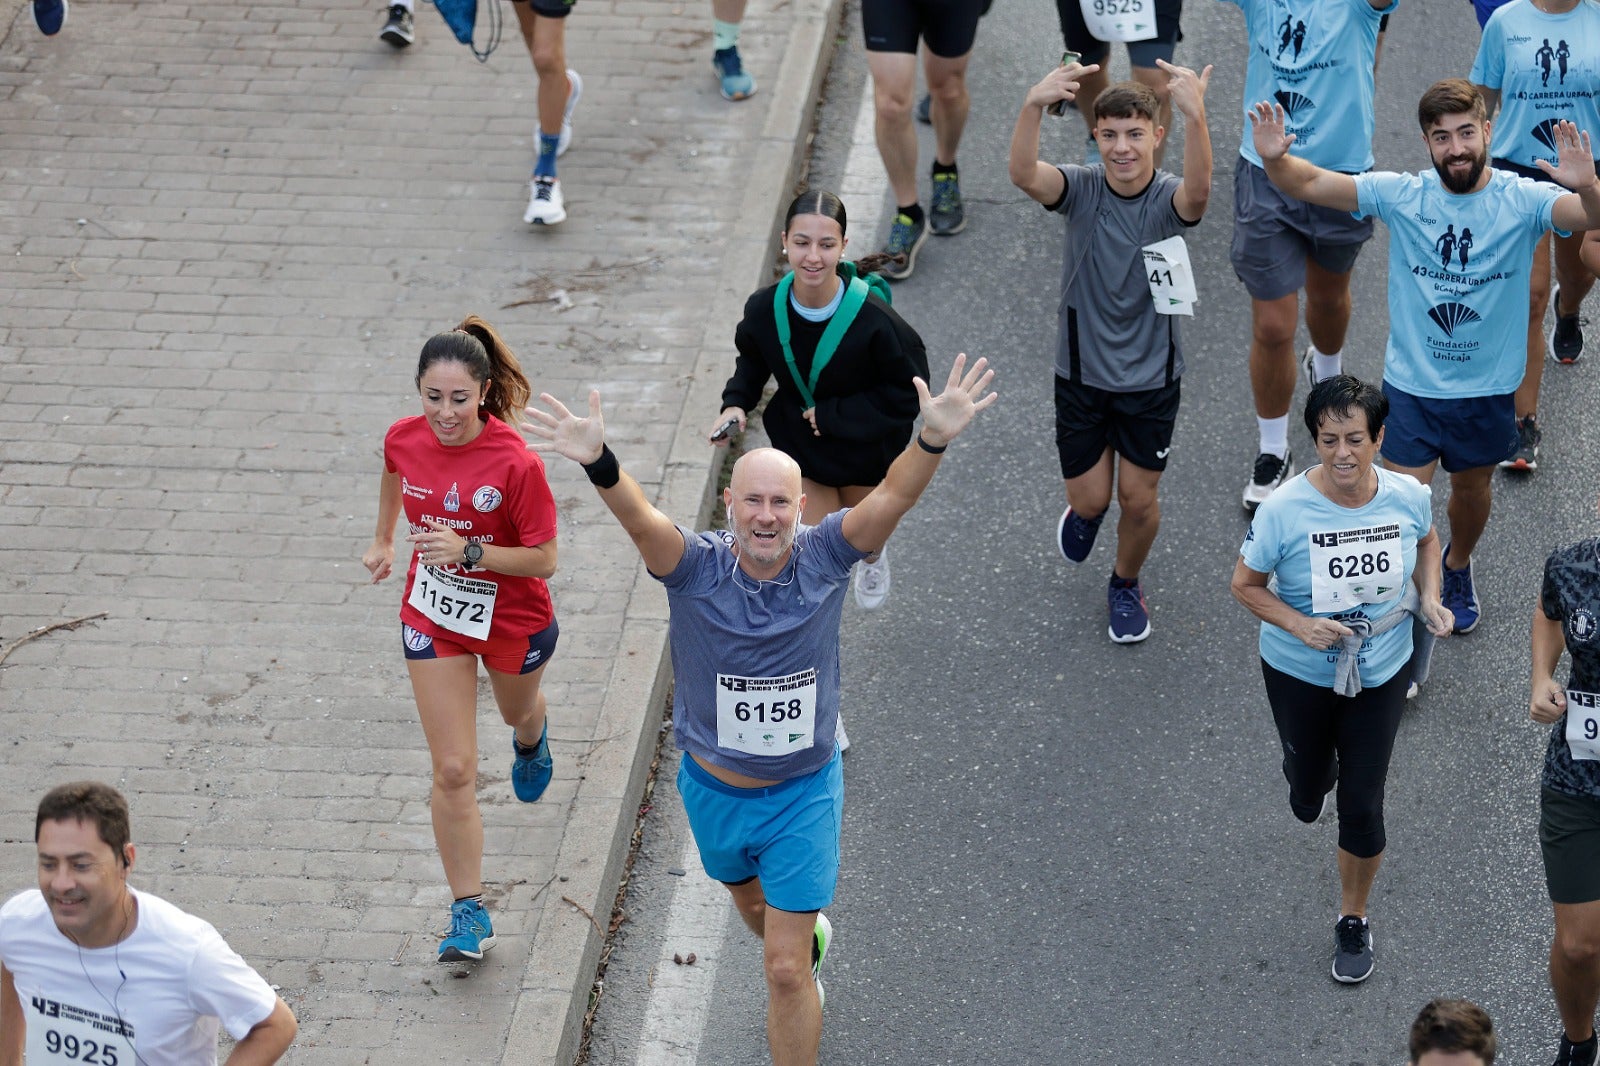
[1342, 564]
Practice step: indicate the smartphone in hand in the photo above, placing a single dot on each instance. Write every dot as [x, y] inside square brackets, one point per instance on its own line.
[1060, 106]
[724, 430]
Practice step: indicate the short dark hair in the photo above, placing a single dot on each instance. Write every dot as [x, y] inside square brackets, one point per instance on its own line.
[1127, 99]
[1453, 96]
[88, 801]
[1454, 1025]
[1342, 394]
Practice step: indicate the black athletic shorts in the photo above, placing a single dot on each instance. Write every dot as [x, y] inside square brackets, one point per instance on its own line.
[1569, 836]
[1136, 425]
[1140, 53]
[947, 27]
[551, 9]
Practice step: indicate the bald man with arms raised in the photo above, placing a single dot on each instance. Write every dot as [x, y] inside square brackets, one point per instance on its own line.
[755, 651]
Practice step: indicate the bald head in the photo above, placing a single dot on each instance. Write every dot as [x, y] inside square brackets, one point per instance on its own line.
[769, 467]
[764, 501]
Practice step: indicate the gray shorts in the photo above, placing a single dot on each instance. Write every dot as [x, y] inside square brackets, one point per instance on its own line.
[1274, 235]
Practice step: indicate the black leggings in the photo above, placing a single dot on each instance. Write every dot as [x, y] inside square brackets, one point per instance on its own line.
[1325, 737]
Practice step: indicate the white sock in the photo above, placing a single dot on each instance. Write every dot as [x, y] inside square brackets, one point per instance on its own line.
[1326, 366]
[1274, 434]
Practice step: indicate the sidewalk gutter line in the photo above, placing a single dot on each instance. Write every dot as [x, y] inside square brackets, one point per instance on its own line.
[553, 995]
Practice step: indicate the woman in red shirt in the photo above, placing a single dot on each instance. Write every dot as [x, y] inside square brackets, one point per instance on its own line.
[482, 523]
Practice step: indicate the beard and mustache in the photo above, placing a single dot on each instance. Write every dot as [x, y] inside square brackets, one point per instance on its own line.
[1466, 183]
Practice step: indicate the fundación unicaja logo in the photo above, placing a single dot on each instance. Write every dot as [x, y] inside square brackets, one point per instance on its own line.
[1297, 106]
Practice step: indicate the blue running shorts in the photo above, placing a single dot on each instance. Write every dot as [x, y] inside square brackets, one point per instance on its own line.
[786, 834]
[1462, 434]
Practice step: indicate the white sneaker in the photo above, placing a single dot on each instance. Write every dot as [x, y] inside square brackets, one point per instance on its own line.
[871, 583]
[545, 204]
[841, 736]
[574, 90]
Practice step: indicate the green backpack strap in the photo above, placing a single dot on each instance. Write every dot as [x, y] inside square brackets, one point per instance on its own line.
[855, 295]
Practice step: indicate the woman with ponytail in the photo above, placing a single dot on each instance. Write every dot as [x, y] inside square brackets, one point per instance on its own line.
[482, 525]
[843, 361]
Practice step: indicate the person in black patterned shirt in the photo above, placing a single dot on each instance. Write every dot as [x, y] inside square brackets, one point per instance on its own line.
[1569, 822]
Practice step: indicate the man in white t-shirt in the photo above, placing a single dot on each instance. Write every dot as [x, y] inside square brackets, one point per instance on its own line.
[92, 970]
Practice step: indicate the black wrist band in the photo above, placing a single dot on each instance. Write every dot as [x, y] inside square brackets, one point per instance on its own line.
[604, 472]
[930, 449]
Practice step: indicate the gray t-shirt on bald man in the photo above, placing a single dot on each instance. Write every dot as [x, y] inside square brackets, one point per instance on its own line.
[1109, 335]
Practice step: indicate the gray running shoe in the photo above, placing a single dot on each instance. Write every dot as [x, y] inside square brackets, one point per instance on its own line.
[925, 109]
[946, 215]
[905, 238]
[1526, 456]
[1352, 950]
[400, 30]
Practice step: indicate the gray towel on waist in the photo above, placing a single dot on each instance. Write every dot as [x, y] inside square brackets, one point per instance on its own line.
[1346, 671]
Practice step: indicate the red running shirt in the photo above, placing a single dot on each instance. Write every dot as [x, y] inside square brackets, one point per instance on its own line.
[494, 490]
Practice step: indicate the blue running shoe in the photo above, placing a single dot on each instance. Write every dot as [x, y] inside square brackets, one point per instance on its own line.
[530, 774]
[1130, 620]
[1460, 595]
[925, 109]
[736, 84]
[50, 16]
[905, 238]
[1075, 535]
[470, 932]
[822, 937]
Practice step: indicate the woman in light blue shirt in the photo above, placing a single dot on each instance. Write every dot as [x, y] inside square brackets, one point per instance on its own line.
[1329, 566]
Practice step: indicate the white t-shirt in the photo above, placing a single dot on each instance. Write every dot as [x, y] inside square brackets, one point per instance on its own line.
[159, 994]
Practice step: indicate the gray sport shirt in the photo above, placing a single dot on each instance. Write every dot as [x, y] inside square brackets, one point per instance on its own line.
[1109, 335]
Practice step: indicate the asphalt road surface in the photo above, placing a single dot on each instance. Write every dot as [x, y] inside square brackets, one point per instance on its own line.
[1061, 850]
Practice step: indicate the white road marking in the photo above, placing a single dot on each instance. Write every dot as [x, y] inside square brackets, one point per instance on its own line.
[865, 187]
[680, 996]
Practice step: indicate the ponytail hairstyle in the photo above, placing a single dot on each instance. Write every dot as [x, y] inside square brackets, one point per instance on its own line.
[475, 345]
[824, 203]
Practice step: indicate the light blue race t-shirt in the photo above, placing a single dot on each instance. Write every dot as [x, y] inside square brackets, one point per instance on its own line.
[1458, 279]
[1546, 68]
[1314, 57]
[757, 662]
[1372, 549]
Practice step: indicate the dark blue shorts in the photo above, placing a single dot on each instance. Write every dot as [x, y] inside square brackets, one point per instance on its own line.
[1464, 434]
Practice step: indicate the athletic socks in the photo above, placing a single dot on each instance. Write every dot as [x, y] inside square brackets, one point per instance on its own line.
[724, 34]
[1274, 435]
[1327, 366]
[546, 166]
[914, 213]
[943, 168]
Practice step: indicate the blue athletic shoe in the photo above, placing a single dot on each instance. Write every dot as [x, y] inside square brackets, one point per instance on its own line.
[530, 774]
[470, 932]
[736, 84]
[1075, 535]
[1460, 595]
[1130, 619]
[50, 16]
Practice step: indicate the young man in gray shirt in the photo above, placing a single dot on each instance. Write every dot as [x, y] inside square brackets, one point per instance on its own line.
[1118, 360]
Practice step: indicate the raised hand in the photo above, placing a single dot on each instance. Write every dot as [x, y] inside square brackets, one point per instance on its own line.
[580, 439]
[1188, 89]
[1272, 140]
[1060, 84]
[1574, 167]
[944, 416]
